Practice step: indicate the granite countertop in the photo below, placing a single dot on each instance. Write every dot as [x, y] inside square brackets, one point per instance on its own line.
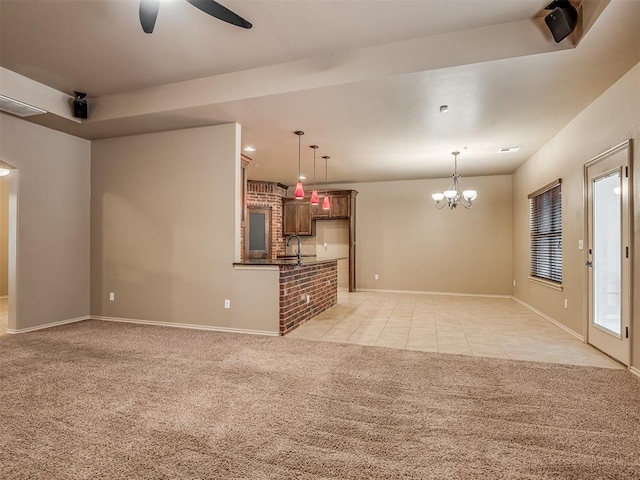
[289, 260]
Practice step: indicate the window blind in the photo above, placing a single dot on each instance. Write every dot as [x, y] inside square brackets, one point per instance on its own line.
[546, 232]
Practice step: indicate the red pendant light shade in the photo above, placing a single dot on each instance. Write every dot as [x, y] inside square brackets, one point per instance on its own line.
[299, 193]
[314, 195]
[326, 203]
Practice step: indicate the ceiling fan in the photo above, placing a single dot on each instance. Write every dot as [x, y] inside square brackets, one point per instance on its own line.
[149, 13]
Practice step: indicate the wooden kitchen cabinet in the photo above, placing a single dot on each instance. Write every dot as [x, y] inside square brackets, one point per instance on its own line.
[340, 206]
[296, 217]
[317, 211]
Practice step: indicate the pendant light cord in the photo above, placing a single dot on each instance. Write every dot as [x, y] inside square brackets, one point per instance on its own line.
[299, 137]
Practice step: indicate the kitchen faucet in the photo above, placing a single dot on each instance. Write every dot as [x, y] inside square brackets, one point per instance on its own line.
[298, 253]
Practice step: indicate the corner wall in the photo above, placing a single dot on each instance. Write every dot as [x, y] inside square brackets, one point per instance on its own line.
[611, 119]
[4, 236]
[165, 226]
[51, 189]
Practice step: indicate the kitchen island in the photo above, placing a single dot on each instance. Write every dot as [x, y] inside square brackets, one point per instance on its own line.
[308, 286]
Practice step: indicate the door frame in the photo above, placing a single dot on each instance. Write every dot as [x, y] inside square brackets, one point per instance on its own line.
[627, 144]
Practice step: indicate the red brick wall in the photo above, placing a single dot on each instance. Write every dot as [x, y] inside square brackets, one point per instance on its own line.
[269, 195]
[319, 281]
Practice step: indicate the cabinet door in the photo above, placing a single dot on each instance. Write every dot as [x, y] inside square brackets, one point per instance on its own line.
[257, 243]
[318, 212]
[340, 207]
[304, 218]
[290, 218]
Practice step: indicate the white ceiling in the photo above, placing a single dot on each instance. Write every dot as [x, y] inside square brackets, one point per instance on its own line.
[363, 78]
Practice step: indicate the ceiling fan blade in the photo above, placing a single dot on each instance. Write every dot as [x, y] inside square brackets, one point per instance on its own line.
[214, 9]
[148, 14]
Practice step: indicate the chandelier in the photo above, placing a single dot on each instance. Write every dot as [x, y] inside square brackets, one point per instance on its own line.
[455, 195]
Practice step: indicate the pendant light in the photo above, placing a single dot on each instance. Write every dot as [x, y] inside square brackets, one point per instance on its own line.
[299, 193]
[455, 195]
[326, 203]
[314, 195]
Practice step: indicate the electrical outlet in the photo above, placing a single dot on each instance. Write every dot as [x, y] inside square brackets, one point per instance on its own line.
[566, 303]
[112, 296]
[308, 298]
[514, 283]
[376, 277]
[227, 303]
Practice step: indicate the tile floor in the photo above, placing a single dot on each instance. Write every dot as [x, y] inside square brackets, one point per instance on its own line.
[477, 326]
[483, 327]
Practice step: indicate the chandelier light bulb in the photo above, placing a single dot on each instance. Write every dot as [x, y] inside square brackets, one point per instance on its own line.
[438, 196]
[470, 194]
[450, 194]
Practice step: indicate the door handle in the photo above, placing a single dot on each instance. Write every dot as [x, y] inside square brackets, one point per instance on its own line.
[589, 263]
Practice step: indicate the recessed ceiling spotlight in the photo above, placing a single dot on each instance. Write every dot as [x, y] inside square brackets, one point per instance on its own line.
[509, 149]
[249, 148]
[302, 177]
[444, 108]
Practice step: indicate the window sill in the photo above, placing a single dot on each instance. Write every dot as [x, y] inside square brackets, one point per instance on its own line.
[547, 283]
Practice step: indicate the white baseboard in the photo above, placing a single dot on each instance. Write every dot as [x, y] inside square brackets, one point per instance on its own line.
[184, 325]
[548, 318]
[421, 292]
[635, 371]
[47, 325]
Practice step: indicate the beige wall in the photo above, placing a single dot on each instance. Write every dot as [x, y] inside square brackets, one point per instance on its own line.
[50, 194]
[610, 120]
[332, 240]
[411, 245]
[4, 236]
[165, 225]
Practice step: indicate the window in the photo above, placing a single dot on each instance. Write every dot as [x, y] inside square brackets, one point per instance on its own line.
[546, 232]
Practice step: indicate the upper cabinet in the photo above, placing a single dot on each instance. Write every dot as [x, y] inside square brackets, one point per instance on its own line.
[299, 215]
[296, 217]
[342, 202]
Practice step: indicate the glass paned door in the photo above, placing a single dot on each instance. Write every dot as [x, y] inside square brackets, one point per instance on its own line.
[607, 267]
[608, 259]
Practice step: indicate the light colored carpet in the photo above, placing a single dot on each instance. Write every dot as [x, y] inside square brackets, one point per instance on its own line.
[99, 400]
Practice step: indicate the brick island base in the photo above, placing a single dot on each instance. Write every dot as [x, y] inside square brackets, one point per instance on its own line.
[306, 291]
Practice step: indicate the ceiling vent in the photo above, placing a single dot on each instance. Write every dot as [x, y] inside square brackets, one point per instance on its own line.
[509, 149]
[20, 109]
